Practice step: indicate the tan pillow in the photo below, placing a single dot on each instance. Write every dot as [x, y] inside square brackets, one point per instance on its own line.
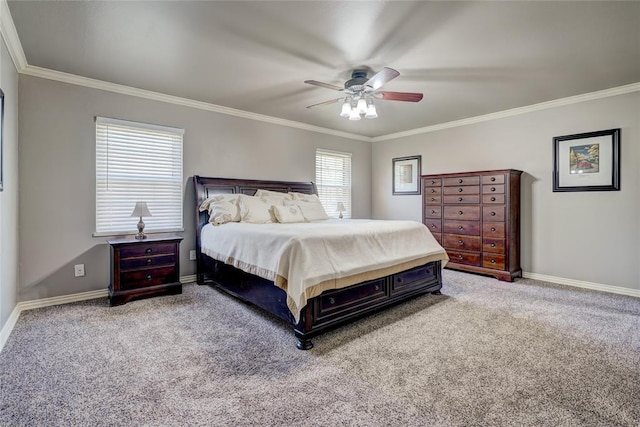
[222, 208]
[288, 214]
[313, 211]
[273, 195]
[204, 206]
[304, 197]
[255, 210]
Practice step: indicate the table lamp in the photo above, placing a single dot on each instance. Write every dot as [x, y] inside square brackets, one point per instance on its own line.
[141, 210]
[340, 208]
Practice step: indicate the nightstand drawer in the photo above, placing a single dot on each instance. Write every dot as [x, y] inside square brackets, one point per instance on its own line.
[151, 261]
[140, 250]
[148, 277]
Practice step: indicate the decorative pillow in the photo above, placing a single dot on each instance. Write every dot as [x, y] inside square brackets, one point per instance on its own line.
[272, 194]
[288, 214]
[222, 208]
[313, 211]
[255, 210]
[304, 197]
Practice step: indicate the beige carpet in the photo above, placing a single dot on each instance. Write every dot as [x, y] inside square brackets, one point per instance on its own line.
[485, 353]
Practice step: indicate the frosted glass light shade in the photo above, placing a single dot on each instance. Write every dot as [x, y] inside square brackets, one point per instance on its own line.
[362, 106]
[346, 108]
[354, 115]
[371, 112]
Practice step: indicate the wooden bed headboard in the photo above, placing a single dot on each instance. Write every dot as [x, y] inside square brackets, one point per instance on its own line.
[206, 187]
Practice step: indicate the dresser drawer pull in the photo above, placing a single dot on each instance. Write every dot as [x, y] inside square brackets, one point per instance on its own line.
[493, 178]
[493, 245]
[432, 211]
[332, 300]
[493, 229]
[461, 242]
[399, 280]
[148, 251]
[493, 261]
[493, 188]
[460, 181]
[493, 199]
[149, 260]
[376, 288]
[427, 271]
[433, 226]
[460, 190]
[493, 214]
[433, 182]
[460, 199]
[460, 213]
[460, 227]
[460, 257]
[433, 199]
[433, 191]
[148, 277]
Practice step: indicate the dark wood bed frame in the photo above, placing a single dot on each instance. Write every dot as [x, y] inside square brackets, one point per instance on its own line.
[326, 311]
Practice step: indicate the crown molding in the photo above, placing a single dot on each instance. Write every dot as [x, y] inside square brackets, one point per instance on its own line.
[620, 90]
[11, 39]
[60, 76]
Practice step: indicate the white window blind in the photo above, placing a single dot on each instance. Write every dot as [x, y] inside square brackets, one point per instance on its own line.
[137, 162]
[333, 179]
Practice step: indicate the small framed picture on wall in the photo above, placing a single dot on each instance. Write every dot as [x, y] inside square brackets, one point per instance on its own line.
[406, 175]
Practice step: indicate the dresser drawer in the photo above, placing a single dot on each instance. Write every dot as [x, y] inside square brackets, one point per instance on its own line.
[462, 242]
[433, 212]
[468, 258]
[463, 190]
[468, 228]
[408, 280]
[151, 261]
[430, 191]
[148, 277]
[493, 198]
[334, 303]
[432, 182]
[493, 213]
[493, 261]
[493, 229]
[451, 200]
[139, 250]
[462, 180]
[493, 179]
[467, 213]
[434, 225]
[493, 245]
[493, 189]
[433, 200]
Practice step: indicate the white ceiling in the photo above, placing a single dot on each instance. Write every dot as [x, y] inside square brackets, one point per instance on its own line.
[468, 58]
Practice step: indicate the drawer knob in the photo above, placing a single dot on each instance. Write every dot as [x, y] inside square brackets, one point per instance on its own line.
[376, 287]
[433, 191]
[460, 257]
[493, 199]
[460, 227]
[332, 300]
[460, 190]
[432, 181]
[148, 251]
[460, 181]
[149, 260]
[493, 214]
[493, 261]
[148, 277]
[493, 229]
[493, 245]
[493, 188]
[432, 211]
[433, 226]
[460, 212]
[493, 178]
[461, 242]
[399, 280]
[427, 271]
[433, 199]
[460, 199]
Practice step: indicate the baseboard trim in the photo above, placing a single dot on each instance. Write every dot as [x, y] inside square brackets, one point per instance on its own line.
[582, 284]
[8, 326]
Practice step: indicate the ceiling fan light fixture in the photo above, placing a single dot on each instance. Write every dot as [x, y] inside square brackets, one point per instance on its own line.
[354, 115]
[371, 111]
[362, 106]
[346, 108]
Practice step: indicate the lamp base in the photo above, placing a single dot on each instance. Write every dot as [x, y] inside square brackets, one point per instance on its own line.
[340, 216]
[141, 234]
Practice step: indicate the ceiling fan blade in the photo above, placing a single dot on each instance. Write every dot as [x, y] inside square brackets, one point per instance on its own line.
[333, 101]
[382, 77]
[325, 85]
[399, 96]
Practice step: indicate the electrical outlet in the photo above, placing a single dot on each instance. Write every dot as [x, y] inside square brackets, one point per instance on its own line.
[192, 255]
[78, 270]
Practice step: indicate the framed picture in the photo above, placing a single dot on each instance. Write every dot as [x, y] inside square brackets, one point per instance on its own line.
[587, 161]
[1, 133]
[406, 175]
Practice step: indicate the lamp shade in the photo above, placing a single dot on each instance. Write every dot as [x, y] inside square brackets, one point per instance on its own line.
[340, 207]
[141, 209]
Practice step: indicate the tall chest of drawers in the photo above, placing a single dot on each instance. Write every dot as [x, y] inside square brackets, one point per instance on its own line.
[476, 217]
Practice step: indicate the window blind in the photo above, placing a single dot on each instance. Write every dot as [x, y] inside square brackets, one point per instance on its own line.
[333, 179]
[137, 162]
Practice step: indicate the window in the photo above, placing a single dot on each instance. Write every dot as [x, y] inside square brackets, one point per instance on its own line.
[137, 162]
[333, 179]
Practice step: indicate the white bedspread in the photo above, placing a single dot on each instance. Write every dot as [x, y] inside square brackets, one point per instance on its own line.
[305, 259]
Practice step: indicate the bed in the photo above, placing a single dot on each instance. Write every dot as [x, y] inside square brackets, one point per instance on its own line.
[329, 306]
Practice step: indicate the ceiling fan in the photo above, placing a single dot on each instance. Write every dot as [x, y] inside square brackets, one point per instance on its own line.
[360, 91]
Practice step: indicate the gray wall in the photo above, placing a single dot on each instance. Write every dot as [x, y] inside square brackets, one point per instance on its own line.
[585, 236]
[57, 177]
[9, 197]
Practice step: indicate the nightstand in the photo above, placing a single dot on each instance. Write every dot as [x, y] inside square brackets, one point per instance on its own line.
[144, 268]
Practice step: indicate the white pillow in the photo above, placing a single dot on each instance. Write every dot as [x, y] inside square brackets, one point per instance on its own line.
[288, 214]
[255, 210]
[222, 208]
[273, 195]
[304, 197]
[313, 211]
